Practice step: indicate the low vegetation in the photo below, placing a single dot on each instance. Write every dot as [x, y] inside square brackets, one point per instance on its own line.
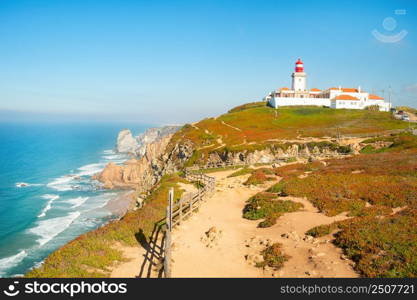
[260, 176]
[380, 246]
[92, 254]
[273, 257]
[386, 179]
[267, 206]
[368, 187]
[241, 172]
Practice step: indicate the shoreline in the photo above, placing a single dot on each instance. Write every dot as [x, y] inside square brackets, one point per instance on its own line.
[120, 204]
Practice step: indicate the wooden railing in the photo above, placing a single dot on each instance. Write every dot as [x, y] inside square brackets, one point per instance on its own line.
[176, 212]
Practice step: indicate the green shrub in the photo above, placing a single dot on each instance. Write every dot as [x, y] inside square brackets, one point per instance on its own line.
[277, 188]
[273, 257]
[321, 230]
[266, 206]
[260, 176]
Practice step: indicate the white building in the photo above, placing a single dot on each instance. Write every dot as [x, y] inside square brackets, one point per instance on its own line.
[349, 98]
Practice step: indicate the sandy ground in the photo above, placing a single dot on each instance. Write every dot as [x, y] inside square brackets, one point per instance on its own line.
[413, 117]
[228, 255]
[119, 205]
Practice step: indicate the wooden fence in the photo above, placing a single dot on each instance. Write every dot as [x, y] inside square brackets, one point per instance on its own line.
[178, 211]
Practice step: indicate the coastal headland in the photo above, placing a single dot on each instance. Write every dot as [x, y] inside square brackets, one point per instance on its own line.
[300, 192]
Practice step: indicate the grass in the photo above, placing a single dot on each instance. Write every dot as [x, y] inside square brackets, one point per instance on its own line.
[260, 176]
[273, 257]
[266, 206]
[93, 253]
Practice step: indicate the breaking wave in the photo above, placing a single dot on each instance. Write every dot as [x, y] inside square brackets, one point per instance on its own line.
[62, 183]
[48, 206]
[11, 261]
[25, 184]
[77, 201]
[48, 229]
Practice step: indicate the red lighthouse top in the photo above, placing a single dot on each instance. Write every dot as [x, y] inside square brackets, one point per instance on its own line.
[299, 66]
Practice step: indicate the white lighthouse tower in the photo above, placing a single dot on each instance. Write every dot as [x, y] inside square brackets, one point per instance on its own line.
[299, 78]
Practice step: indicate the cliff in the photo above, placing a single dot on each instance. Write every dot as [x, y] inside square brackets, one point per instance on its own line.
[140, 173]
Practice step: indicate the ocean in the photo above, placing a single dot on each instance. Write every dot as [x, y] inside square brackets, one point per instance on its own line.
[47, 196]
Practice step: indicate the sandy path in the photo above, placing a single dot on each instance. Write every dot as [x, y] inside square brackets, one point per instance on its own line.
[192, 258]
[132, 267]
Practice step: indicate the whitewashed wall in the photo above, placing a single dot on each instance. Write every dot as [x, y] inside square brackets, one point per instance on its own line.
[283, 101]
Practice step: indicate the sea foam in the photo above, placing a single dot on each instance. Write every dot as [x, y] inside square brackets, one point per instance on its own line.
[77, 201]
[9, 262]
[48, 229]
[90, 169]
[48, 206]
[61, 183]
[25, 184]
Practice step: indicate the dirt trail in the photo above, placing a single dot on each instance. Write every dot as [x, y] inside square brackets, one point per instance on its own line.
[225, 257]
[231, 126]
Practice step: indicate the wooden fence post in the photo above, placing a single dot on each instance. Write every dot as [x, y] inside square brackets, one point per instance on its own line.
[167, 258]
[171, 200]
[190, 205]
[180, 210]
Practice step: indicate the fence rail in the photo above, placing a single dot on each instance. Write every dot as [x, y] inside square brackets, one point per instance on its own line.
[176, 212]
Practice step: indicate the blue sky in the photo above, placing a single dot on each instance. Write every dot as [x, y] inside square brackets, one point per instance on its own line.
[178, 61]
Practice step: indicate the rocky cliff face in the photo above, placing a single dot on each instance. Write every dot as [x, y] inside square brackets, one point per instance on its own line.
[139, 174]
[270, 155]
[153, 134]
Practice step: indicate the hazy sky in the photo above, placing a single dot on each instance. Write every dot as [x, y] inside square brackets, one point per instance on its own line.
[166, 62]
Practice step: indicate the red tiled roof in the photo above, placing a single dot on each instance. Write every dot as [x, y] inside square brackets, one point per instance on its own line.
[375, 97]
[345, 90]
[345, 97]
[315, 90]
[284, 89]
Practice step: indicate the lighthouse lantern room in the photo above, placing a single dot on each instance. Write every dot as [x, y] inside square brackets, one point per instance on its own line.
[299, 77]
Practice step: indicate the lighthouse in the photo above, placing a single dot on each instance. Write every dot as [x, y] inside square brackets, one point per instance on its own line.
[299, 77]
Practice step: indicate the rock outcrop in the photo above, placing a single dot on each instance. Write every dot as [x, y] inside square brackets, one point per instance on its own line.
[269, 155]
[139, 174]
[153, 134]
[126, 143]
